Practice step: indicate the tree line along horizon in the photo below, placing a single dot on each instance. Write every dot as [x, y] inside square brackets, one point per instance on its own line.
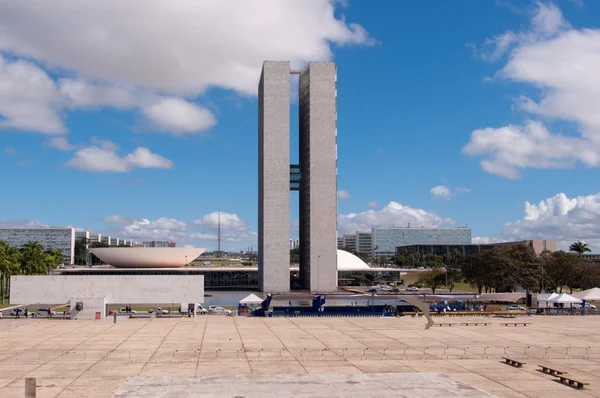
[501, 269]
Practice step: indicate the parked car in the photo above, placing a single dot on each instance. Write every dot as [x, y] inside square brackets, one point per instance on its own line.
[220, 311]
[515, 307]
[44, 312]
[160, 311]
[124, 311]
[412, 289]
[588, 306]
[201, 310]
[16, 311]
[395, 290]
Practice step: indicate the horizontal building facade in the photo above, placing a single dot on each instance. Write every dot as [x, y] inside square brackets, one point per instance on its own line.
[538, 246]
[385, 240]
[62, 239]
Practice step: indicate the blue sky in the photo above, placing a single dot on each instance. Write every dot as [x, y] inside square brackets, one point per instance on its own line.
[475, 113]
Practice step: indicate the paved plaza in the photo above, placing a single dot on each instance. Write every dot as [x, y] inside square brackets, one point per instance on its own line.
[93, 358]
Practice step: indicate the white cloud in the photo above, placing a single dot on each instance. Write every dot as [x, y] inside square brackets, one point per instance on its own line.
[233, 228]
[160, 229]
[28, 97]
[79, 93]
[558, 217]
[178, 116]
[372, 204]
[116, 219]
[509, 149]
[177, 52]
[462, 189]
[10, 150]
[441, 191]
[107, 145]
[60, 143]
[343, 194]
[98, 159]
[561, 63]
[393, 214]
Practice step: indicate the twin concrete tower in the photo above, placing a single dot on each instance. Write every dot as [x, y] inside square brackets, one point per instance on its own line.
[315, 177]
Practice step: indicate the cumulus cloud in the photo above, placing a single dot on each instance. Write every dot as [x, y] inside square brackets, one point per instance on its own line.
[60, 143]
[98, 159]
[561, 64]
[393, 214]
[160, 229]
[178, 116]
[177, 52]
[233, 228]
[99, 58]
[372, 204]
[28, 97]
[441, 191]
[558, 217]
[343, 194]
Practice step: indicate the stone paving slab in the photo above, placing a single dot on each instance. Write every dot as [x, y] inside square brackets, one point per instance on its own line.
[92, 358]
[414, 385]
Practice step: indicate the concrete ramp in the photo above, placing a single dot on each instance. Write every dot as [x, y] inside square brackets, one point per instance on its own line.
[414, 385]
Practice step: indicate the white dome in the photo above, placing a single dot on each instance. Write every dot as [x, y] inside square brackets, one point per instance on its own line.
[147, 257]
[347, 261]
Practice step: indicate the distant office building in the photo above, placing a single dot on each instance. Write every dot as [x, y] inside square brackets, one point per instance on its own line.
[62, 239]
[349, 242]
[315, 177]
[385, 240]
[159, 243]
[364, 242]
[538, 245]
[340, 242]
[294, 244]
[591, 257]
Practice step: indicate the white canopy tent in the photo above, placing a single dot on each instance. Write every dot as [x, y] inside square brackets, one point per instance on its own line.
[546, 297]
[564, 298]
[251, 299]
[589, 295]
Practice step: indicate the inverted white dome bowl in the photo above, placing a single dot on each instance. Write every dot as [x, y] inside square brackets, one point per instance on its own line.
[147, 257]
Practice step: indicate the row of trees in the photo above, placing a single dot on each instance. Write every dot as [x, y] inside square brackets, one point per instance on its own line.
[31, 259]
[512, 268]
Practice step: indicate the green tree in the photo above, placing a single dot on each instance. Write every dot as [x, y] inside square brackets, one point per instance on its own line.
[9, 265]
[579, 247]
[432, 279]
[53, 258]
[33, 259]
[474, 269]
[452, 276]
[561, 270]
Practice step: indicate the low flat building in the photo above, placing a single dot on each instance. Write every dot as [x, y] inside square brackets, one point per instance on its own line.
[351, 271]
[385, 240]
[442, 249]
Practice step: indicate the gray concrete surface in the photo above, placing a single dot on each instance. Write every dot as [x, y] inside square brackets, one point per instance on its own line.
[413, 385]
[274, 177]
[93, 358]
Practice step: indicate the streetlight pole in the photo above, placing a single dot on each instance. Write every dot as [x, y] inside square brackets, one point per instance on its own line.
[186, 262]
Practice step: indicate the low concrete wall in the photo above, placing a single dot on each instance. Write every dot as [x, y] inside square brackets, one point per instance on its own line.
[116, 289]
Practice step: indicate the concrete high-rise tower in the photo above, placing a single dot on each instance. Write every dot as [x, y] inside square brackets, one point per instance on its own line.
[315, 177]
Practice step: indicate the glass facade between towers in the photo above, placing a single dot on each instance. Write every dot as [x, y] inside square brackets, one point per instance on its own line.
[62, 239]
[385, 240]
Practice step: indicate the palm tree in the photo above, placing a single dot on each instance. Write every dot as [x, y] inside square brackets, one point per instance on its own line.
[33, 259]
[579, 247]
[53, 258]
[9, 265]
